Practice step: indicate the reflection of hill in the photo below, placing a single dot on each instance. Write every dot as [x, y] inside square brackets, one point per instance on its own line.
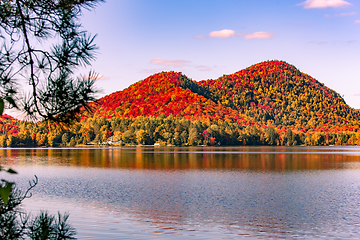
[256, 159]
[207, 203]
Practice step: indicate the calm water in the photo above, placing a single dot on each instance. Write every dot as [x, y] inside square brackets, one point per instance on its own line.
[197, 193]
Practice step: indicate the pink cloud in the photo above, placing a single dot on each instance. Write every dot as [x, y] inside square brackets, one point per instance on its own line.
[357, 21]
[340, 15]
[259, 35]
[228, 33]
[173, 63]
[225, 33]
[199, 37]
[324, 4]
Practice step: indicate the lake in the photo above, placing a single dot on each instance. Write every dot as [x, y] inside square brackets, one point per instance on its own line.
[196, 192]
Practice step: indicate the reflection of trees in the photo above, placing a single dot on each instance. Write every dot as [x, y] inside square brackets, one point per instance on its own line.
[172, 158]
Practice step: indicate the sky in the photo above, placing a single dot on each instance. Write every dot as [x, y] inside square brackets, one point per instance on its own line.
[205, 39]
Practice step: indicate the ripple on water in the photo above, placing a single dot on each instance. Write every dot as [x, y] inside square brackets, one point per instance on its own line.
[281, 196]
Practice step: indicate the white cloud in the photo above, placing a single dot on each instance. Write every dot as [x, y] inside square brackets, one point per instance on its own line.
[357, 21]
[173, 63]
[340, 15]
[324, 4]
[225, 33]
[259, 35]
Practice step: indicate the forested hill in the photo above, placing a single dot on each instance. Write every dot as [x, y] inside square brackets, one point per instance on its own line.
[166, 93]
[278, 93]
[271, 93]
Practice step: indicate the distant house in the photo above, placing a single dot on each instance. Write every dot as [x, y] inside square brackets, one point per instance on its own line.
[111, 140]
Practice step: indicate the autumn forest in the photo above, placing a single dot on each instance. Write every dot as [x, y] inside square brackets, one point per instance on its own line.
[269, 103]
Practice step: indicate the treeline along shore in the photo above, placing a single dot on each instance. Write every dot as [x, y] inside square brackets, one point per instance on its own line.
[164, 131]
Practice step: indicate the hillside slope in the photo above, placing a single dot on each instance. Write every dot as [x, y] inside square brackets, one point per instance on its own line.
[277, 92]
[167, 93]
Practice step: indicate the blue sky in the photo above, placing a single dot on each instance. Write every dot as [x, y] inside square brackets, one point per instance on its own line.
[205, 39]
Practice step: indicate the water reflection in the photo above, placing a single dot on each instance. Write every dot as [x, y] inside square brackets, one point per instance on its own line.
[246, 158]
[271, 204]
[258, 192]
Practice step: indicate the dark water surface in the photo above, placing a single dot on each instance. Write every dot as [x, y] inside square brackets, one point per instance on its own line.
[196, 193]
